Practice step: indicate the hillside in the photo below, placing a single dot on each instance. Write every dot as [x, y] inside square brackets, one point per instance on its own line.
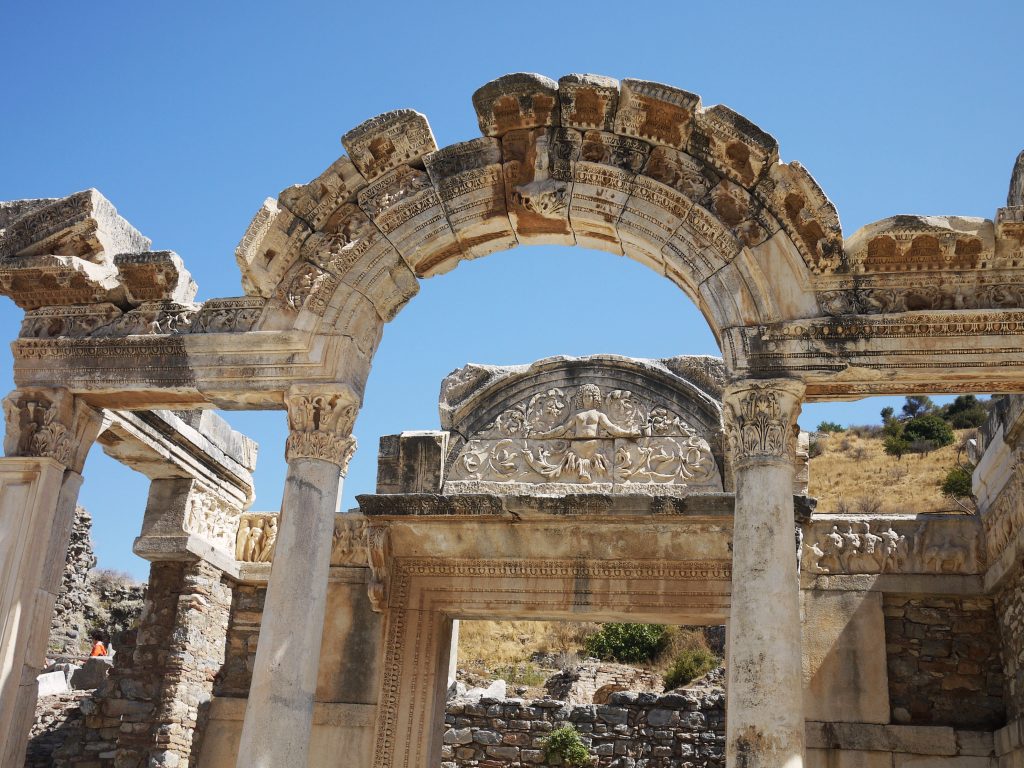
[853, 474]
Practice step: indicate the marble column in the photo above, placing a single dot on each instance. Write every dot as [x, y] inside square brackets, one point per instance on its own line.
[49, 433]
[279, 715]
[764, 712]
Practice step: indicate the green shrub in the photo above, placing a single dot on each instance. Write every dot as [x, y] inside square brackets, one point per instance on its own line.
[565, 744]
[957, 483]
[895, 446]
[690, 664]
[928, 429]
[831, 426]
[625, 643]
[966, 412]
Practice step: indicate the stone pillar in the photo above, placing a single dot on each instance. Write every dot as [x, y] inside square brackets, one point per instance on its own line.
[49, 433]
[279, 716]
[765, 716]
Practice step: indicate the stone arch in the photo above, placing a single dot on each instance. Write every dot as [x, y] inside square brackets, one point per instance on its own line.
[634, 168]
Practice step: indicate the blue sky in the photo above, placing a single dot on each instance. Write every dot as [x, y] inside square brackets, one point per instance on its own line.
[187, 115]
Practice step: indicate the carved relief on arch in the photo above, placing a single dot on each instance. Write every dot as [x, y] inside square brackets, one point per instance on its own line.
[807, 215]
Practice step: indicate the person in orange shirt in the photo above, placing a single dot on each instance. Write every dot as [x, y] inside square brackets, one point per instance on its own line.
[98, 648]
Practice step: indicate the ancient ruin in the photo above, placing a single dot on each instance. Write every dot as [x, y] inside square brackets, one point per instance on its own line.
[666, 491]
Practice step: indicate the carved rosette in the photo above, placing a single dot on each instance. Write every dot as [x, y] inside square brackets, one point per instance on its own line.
[50, 423]
[760, 419]
[321, 426]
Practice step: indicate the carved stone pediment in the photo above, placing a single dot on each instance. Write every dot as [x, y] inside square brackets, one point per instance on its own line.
[601, 424]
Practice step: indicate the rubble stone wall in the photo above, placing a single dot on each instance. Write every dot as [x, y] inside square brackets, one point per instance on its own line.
[592, 682]
[656, 731]
[1010, 610]
[944, 662]
[68, 631]
[154, 702]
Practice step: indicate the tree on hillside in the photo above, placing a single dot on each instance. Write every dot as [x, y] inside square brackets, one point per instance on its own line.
[917, 405]
[965, 412]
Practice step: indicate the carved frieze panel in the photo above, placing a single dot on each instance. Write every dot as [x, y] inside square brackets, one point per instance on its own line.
[656, 113]
[586, 436]
[1003, 519]
[939, 544]
[237, 315]
[69, 322]
[151, 318]
[388, 141]
[216, 519]
[588, 101]
[470, 184]
[514, 102]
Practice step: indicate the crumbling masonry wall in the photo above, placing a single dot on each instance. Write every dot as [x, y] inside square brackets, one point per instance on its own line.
[663, 731]
[152, 707]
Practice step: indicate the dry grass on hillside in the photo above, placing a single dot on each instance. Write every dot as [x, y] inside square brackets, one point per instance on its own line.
[856, 472]
[511, 642]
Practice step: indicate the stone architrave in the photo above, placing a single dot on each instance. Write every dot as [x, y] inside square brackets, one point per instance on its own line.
[49, 433]
[279, 716]
[765, 726]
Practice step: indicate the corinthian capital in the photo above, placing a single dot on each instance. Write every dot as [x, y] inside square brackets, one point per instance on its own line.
[320, 425]
[50, 423]
[760, 419]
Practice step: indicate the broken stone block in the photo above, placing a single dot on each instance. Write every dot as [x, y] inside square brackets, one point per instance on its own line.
[387, 141]
[84, 224]
[155, 276]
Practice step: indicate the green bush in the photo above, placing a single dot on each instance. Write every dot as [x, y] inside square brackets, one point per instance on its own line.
[928, 429]
[895, 446]
[966, 412]
[565, 744]
[625, 643]
[690, 664]
[957, 483]
[831, 426]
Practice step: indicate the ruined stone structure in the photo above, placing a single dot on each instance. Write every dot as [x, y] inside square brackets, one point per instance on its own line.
[667, 489]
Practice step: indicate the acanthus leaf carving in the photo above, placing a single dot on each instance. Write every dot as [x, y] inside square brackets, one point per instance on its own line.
[760, 419]
[321, 426]
[49, 424]
[378, 552]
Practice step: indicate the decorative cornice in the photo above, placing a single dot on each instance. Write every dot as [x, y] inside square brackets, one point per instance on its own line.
[321, 426]
[760, 419]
